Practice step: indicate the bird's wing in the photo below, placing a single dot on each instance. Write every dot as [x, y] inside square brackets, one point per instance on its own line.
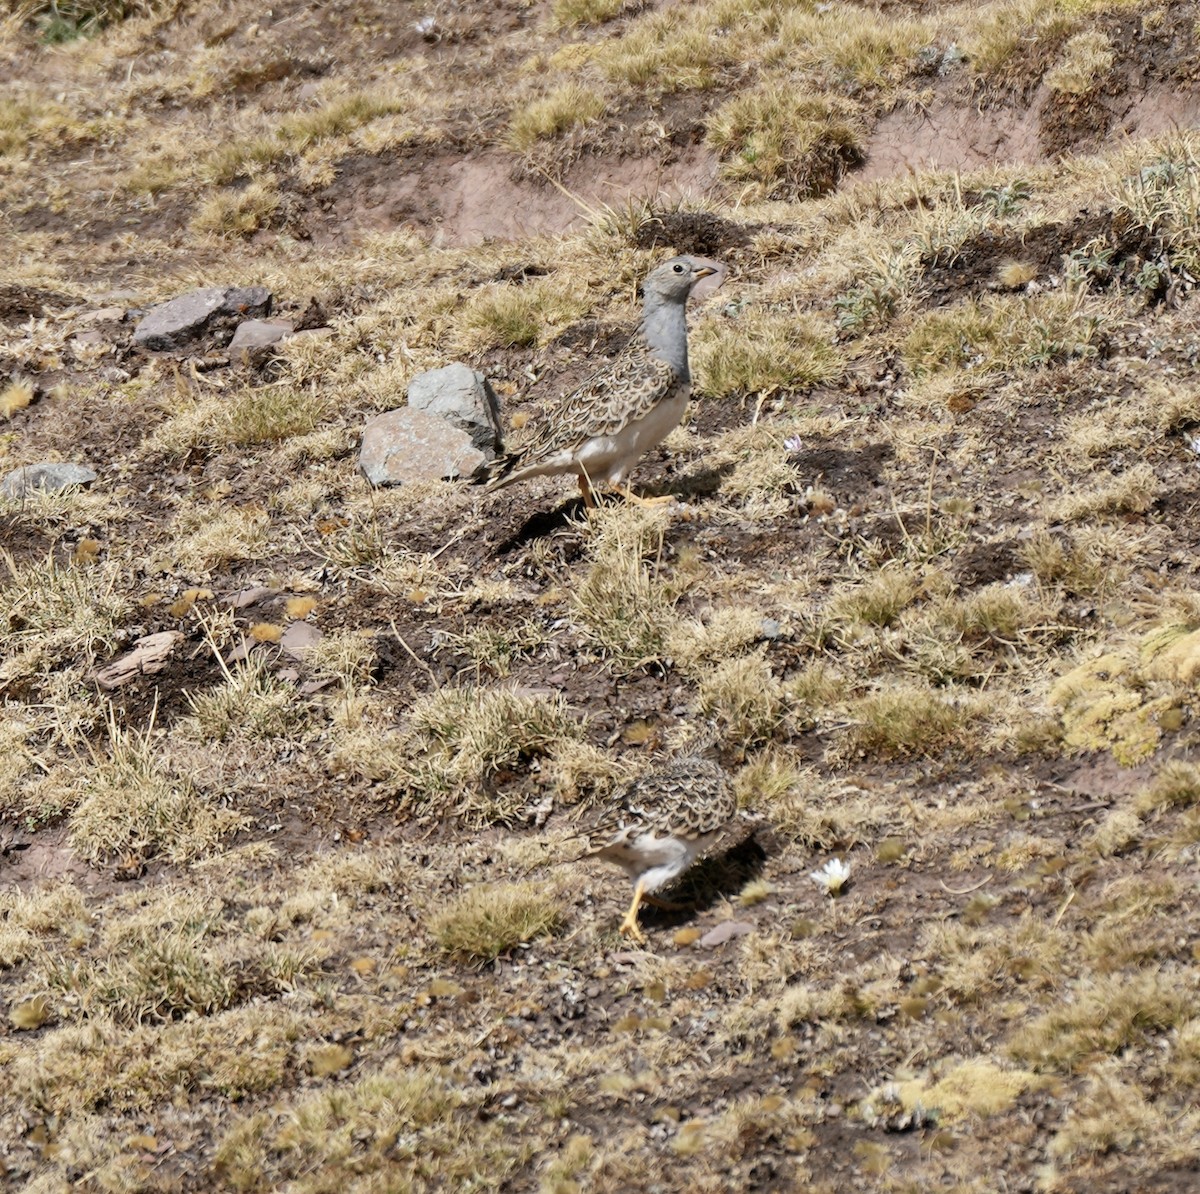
[687, 798]
[622, 392]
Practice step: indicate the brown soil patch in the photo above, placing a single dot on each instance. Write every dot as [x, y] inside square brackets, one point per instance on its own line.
[463, 200]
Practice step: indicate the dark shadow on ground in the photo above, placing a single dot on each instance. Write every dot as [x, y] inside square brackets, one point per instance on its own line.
[712, 879]
[543, 524]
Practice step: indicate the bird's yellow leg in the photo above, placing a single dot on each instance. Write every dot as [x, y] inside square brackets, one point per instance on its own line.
[629, 926]
[637, 500]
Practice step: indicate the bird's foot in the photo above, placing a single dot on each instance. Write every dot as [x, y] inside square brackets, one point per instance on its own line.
[630, 928]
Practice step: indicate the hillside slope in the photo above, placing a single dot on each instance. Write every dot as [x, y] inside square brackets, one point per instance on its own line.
[298, 911]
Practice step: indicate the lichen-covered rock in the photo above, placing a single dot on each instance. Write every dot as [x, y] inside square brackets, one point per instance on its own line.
[402, 446]
[198, 313]
[47, 478]
[464, 397]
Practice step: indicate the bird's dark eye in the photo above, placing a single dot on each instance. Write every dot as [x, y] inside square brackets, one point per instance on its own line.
[677, 267]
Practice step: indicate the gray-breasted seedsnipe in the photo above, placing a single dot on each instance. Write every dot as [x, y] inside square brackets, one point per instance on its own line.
[660, 824]
[607, 425]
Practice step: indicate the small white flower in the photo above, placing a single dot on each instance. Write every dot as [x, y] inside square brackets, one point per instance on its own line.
[425, 26]
[833, 876]
[793, 443]
[1194, 443]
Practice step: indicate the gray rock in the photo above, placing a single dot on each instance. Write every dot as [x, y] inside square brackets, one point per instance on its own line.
[299, 637]
[254, 337]
[463, 396]
[198, 313]
[48, 477]
[402, 446]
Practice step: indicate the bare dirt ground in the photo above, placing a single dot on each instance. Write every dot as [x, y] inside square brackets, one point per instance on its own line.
[305, 918]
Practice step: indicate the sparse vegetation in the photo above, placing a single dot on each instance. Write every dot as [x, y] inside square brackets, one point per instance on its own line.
[296, 773]
[563, 109]
[490, 920]
[790, 144]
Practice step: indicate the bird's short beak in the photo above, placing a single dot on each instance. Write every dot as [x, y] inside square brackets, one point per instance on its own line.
[705, 271]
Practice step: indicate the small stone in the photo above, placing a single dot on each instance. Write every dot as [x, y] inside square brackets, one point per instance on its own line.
[299, 637]
[464, 397]
[726, 931]
[149, 655]
[103, 315]
[255, 336]
[245, 597]
[403, 446]
[48, 478]
[770, 628]
[178, 322]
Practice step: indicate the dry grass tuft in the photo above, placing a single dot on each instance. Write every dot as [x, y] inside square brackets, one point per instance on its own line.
[1002, 332]
[790, 145]
[565, 108]
[459, 741]
[251, 703]
[51, 613]
[624, 601]
[568, 13]
[489, 920]
[906, 721]
[1102, 1015]
[745, 699]
[1086, 59]
[236, 213]
[135, 803]
[761, 352]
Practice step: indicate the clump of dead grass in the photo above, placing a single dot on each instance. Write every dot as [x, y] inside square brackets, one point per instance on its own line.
[567, 13]
[459, 740]
[567, 107]
[51, 613]
[254, 415]
[761, 351]
[238, 213]
[906, 720]
[133, 802]
[251, 704]
[1086, 58]
[669, 50]
[744, 698]
[502, 315]
[1102, 1015]
[625, 602]
[1000, 332]
[491, 919]
[787, 143]
[1132, 492]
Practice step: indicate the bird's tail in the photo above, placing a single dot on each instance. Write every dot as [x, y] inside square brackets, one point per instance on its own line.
[496, 474]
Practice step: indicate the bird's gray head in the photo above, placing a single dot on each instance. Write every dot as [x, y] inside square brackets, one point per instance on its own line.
[674, 280]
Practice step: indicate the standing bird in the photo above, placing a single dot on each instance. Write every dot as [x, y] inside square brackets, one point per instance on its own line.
[607, 425]
[660, 824]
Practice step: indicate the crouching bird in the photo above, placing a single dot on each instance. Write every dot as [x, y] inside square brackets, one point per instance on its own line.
[659, 824]
[602, 429]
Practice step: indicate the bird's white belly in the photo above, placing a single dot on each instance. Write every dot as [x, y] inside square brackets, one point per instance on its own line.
[607, 459]
[656, 860]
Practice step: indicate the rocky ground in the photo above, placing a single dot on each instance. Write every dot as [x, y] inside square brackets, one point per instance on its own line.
[291, 763]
